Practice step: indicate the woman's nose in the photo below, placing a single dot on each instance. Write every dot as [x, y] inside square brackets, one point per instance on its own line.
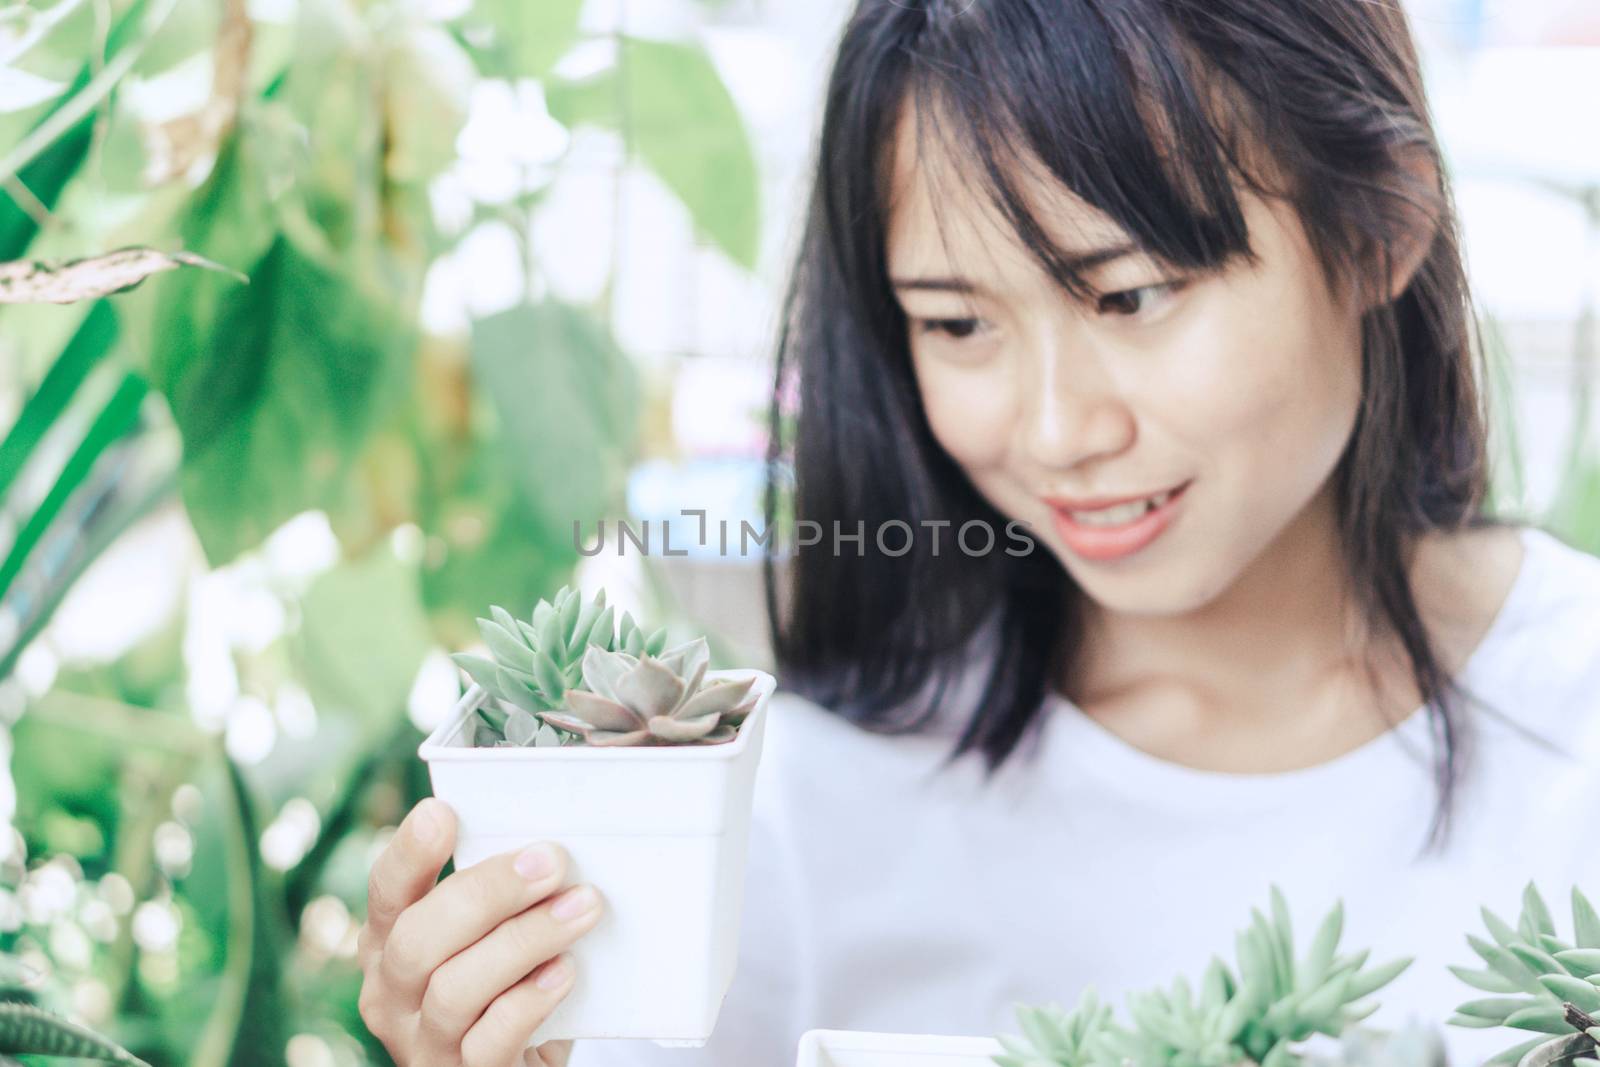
[1069, 415]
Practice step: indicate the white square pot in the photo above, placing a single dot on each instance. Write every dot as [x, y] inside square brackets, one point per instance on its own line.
[660, 831]
[856, 1048]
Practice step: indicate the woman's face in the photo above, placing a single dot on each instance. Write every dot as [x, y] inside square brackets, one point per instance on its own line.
[1242, 386]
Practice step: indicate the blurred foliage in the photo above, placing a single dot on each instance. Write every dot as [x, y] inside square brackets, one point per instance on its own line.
[190, 891]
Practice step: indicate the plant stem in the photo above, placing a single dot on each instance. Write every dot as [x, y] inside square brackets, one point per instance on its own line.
[1579, 1018]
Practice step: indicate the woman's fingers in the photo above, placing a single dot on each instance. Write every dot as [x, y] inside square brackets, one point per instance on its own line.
[406, 870]
[549, 1054]
[496, 1039]
[464, 985]
[460, 910]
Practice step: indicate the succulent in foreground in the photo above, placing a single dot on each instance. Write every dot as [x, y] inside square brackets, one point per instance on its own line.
[631, 700]
[1538, 981]
[1258, 1015]
[532, 665]
[1057, 1038]
[28, 1029]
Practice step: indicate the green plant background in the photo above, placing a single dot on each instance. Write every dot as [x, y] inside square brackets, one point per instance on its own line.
[150, 879]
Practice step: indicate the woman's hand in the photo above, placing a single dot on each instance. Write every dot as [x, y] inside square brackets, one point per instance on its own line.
[461, 973]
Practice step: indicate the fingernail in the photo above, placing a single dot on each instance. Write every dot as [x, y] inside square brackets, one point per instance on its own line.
[554, 974]
[574, 904]
[425, 823]
[535, 862]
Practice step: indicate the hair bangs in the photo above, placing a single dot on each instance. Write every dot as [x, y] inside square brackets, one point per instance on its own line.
[1134, 132]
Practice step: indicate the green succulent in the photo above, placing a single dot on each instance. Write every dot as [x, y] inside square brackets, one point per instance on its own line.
[1539, 982]
[1056, 1038]
[1256, 1016]
[27, 1029]
[532, 665]
[629, 700]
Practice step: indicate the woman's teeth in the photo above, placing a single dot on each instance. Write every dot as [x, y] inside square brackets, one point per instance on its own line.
[1122, 513]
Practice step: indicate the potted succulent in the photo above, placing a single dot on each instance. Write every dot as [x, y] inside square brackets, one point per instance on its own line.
[639, 761]
[1257, 1015]
[1540, 983]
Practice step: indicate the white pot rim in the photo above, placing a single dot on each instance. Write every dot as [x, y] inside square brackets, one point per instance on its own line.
[437, 746]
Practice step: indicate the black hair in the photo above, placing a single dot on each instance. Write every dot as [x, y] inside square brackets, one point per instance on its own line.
[1157, 113]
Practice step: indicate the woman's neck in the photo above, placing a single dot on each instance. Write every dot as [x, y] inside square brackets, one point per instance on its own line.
[1261, 677]
[1280, 671]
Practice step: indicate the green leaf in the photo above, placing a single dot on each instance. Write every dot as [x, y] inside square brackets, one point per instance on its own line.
[1543, 1018]
[1365, 985]
[1499, 928]
[481, 670]
[276, 401]
[25, 1028]
[603, 632]
[1488, 981]
[1495, 1009]
[569, 619]
[528, 38]
[565, 398]
[508, 651]
[510, 688]
[1584, 920]
[681, 120]
[1320, 955]
[1537, 960]
[350, 662]
[118, 417]
[1575, 990]
[95, 336]
[1535, 915]
[1586, 959]
[549, 677]
[504, 618]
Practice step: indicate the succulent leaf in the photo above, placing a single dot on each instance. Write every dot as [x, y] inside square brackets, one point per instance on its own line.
[1535, 915]
[533, 664]
[1540, 1017]
[601, 633]
[1488, 981]
[1587, 960]
[521, 727]
[650, 688]
[1586, 924]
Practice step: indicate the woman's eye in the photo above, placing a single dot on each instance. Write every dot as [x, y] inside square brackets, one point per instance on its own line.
[956, 328]
[1129, 302]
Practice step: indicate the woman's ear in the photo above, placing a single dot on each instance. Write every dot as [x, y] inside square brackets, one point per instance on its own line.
[1418, 218]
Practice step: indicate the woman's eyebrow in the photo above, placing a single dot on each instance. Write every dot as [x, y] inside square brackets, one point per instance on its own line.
[1077, 263]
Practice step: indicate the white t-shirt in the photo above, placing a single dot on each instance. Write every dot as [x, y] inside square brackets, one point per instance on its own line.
[884, 893]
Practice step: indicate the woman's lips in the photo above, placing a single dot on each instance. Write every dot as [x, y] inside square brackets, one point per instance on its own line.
[1111, 530]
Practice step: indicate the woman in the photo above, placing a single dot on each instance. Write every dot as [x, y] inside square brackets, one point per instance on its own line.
[1173, 288]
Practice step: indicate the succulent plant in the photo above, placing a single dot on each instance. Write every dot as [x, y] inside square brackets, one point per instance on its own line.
[533, 664]
[1257, 1016]
[644, 700]
[26, 1028]
[1056, 1038]
[1539, 982]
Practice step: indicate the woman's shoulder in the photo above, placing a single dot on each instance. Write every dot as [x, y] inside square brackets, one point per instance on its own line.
[1554, 606]
[1542, 656]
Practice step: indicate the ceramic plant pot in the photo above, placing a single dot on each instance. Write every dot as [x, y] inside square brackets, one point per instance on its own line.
[856, 1048]
[660, 831]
